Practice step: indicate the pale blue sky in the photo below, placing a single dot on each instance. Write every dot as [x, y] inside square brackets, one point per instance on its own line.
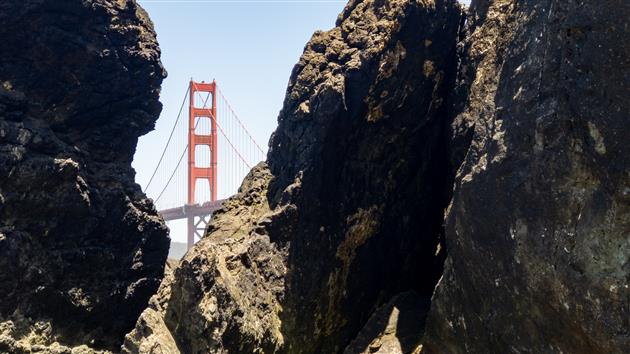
[248, 46]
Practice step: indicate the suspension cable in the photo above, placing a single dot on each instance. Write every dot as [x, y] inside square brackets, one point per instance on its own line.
[176, 167]
[185, 149]
[181, 158]
[239, 121]
[168, 141]
[172, 174]
[228, 139]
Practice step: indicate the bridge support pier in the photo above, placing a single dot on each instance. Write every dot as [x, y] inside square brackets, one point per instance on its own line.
[191, 232]
[197, 228]
[197, 216]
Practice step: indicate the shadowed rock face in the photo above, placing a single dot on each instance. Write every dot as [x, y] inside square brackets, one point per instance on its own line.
[347, 212]
[538, 232]
[81, 248]
[360, 163]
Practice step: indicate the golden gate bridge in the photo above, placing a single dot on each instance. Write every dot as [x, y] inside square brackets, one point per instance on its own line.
[204, 160]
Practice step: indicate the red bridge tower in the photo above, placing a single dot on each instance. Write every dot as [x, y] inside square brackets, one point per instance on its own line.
[196, 224]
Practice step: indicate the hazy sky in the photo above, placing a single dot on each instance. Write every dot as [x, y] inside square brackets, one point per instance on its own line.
[248, 46]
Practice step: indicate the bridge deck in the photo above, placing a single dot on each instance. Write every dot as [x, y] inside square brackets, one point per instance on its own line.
[191, 210]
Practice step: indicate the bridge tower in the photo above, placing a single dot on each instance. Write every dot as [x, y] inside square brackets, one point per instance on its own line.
[196, 111]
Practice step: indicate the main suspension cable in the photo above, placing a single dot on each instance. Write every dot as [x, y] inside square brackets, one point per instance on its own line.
[168, 141]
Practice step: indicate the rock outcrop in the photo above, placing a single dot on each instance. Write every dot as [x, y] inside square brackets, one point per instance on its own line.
[407, 133]
[538, 232]
[347, 212]
[81, 248]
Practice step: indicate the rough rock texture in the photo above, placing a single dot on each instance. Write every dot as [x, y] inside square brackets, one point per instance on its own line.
[348, 212]
[395, 328]
[81, 248]
[151, 332]
[538, 232]
[224, 293]
[360, 146]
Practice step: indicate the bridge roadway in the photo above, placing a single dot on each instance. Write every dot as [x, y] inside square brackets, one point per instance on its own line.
[187, 211]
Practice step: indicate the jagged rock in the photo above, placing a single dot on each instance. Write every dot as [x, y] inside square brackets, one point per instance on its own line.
[81, 248]
[151, 330]
[538, 232]
[22, 335]
[348, 212]
[224, 293]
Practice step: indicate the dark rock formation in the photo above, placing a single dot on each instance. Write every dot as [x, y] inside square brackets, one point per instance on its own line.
[538, 232]
[348, 212]
[359, 163]
[81, 248]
